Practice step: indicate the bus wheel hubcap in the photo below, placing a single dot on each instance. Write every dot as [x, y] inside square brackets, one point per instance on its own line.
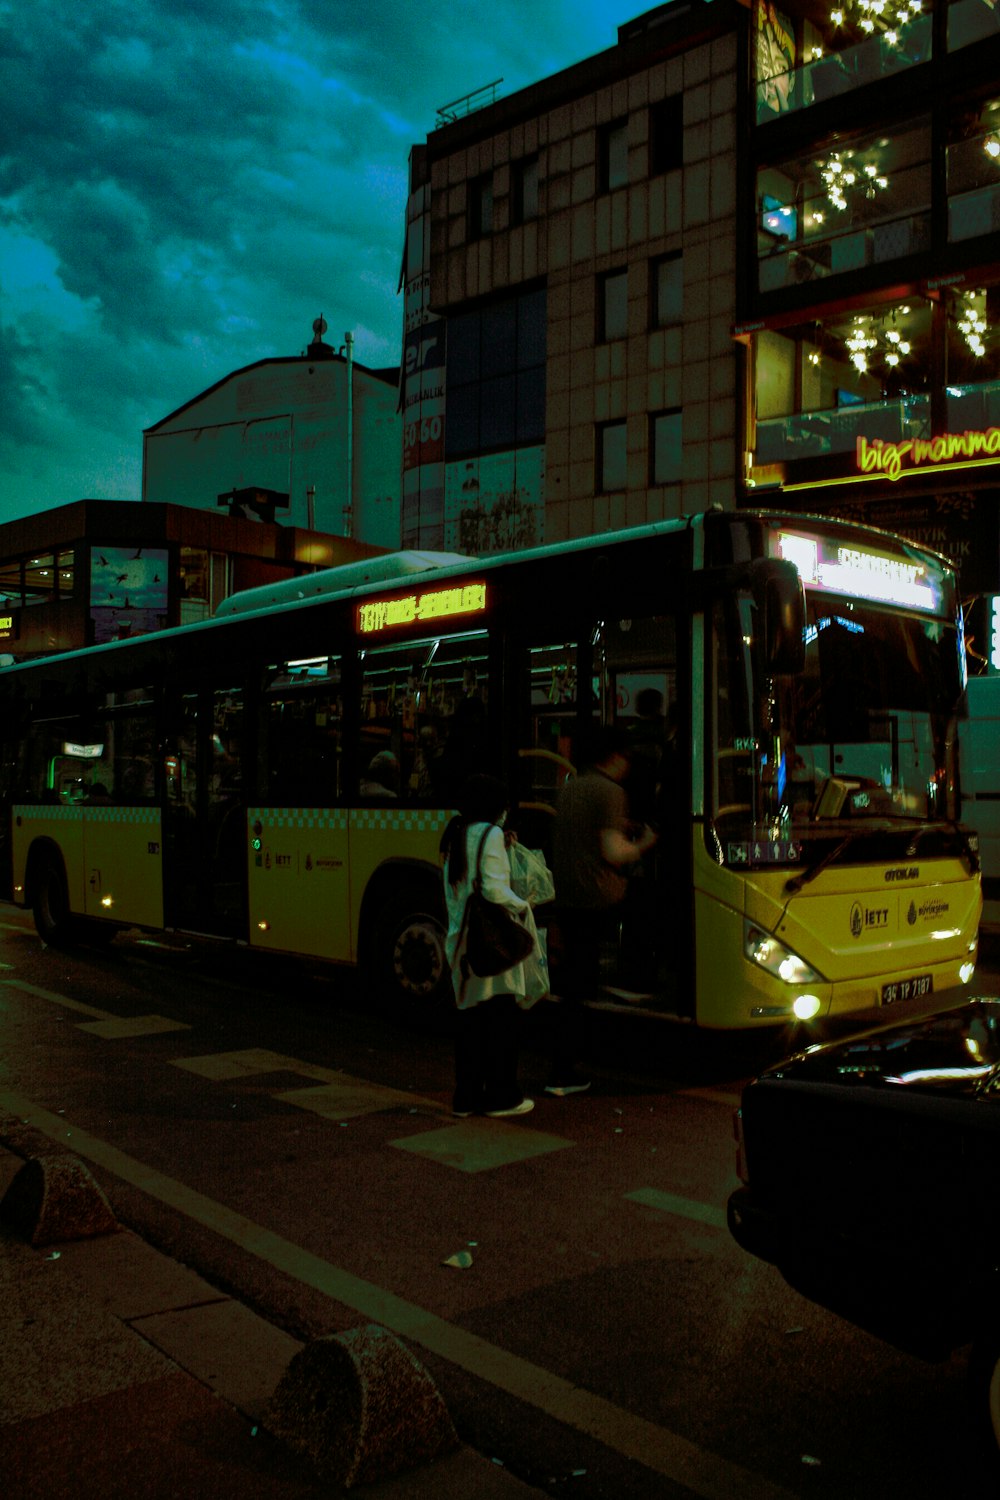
[417, 958]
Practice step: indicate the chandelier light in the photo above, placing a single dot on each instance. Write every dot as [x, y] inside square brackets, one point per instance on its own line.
[972, 321]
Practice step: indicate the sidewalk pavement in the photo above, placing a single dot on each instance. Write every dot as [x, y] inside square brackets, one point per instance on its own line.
[125, 1376]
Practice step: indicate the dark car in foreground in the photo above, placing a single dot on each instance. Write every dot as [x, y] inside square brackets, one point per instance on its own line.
[871, 1179]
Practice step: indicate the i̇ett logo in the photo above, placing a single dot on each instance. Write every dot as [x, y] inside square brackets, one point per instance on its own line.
[857, 920]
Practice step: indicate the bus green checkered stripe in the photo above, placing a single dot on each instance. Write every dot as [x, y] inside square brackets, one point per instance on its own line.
[300, 817]
[77, 812]
[378, 819]
[398, 820]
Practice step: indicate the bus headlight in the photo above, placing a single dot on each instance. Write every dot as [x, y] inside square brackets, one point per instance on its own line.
[765, 950]
[805, 1007]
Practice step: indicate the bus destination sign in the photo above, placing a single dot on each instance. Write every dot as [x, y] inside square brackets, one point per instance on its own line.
[831, 567]
[436, 604]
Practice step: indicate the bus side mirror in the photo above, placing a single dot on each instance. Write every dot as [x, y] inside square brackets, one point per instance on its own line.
[781, 609]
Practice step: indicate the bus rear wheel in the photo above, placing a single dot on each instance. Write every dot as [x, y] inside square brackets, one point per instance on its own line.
[50, 904]
[409, 961]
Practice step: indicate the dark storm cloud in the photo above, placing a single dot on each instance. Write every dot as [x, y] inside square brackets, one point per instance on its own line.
[184, 188]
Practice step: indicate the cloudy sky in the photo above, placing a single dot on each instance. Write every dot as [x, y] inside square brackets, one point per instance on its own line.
[185, 185]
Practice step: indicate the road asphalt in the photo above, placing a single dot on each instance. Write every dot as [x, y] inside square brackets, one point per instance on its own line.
[124, 1375]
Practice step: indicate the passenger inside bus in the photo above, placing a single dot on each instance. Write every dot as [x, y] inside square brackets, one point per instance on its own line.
[381, 780]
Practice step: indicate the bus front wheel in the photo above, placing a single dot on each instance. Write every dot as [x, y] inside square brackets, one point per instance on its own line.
[50, 904]
[408, 958]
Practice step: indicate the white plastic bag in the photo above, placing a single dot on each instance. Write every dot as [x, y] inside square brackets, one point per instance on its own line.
[530, 876]
[536, 969]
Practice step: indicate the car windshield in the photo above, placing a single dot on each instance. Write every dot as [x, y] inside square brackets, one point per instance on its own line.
[856, 748]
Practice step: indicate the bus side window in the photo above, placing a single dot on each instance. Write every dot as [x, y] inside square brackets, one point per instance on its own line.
[424, 720]
[302, 740]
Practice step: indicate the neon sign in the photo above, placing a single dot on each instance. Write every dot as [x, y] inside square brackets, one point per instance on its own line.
[436, 604]
[860, 574]
[894, 459]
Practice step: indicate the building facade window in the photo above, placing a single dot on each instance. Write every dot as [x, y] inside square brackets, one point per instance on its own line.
[973, 171]
[850, 373]
[666, 291]
[66, 571]
[666, 447]
[971, 21]
[524, 190]
[808, 59]
[612, 156]
[481, 206]
[612, 305]
[40, 579]
[496, 376]
[611, 457]
[831, 212]
[666, 135]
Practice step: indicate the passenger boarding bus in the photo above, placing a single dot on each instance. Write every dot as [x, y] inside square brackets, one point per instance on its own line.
[281, 775]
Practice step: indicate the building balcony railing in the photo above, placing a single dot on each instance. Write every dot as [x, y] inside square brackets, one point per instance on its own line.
[813, 434]
[973, 408]
[787, 264]
[973, 213]
[839, 72]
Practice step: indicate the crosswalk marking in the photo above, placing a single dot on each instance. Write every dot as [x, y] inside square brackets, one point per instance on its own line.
[116, 1028]
[671, 1203]
[351, 1097]
[481, 1145]
[105, 1025]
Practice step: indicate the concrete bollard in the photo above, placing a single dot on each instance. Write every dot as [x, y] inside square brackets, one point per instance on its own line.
[360, 1407]
[54, 1199]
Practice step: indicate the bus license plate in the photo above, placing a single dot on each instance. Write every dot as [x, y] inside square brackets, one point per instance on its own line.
[907, 989]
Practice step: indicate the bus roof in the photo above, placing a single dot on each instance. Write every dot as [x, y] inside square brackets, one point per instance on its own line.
[385, 568]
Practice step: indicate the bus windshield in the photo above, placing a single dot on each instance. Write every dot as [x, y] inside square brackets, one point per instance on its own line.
[863, 740]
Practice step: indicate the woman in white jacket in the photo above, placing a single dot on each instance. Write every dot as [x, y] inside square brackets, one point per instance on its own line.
[488, 1009]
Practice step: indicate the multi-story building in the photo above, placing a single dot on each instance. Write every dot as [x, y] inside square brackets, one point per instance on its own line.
[870, 299]
[747, 255]
[316, 436]
[570, 275]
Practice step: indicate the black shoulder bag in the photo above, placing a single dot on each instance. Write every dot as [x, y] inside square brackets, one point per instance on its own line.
[494, 939]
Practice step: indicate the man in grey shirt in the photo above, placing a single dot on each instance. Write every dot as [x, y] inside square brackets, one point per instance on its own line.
[594, 845]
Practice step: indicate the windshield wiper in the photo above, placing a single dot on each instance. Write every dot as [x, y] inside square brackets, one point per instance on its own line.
[796, 882]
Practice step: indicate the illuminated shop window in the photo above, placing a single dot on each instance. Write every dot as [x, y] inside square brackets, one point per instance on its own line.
[66, 572]
[806, 55]
[40, 579]
[821, 386]
[972, 352]
[973, 168]
[971, 21]
[830, 213]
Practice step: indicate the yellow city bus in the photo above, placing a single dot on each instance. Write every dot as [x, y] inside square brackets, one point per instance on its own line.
[281, 775]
